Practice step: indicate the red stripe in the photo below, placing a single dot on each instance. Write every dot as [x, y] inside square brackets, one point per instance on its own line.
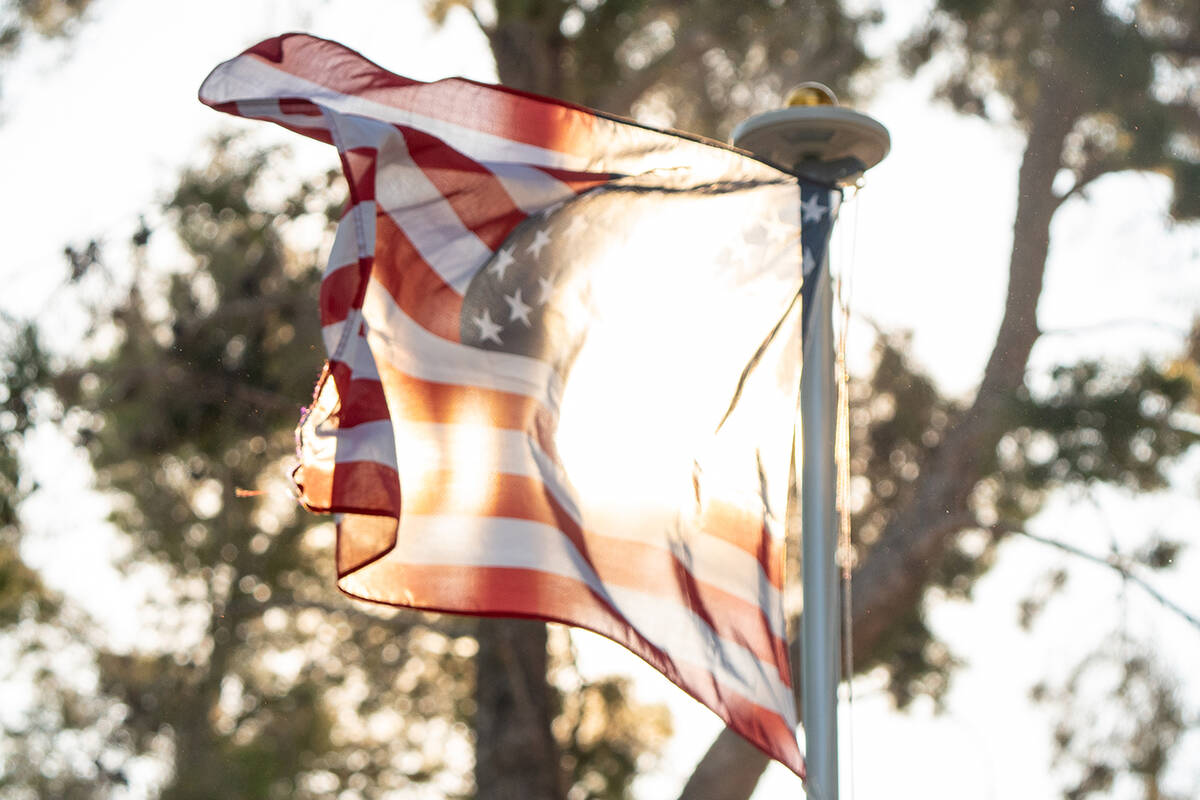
[619, 562]
[514, 115]
[417, 289]
[268, 109]
[416, 400]
[578, 181]
[500, 591]
[342, 291]
[363, 538]
[475, 194]
[351, 487]
[744, 529]
[343, 287]
[299, 105]
[362, 399]
[359, 164]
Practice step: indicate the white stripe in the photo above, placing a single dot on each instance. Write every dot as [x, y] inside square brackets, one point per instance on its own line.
[620, 148]
[465, 447]
[468, 541]
[710, 559]
[269, 109]
[419, 209]
[414, 351]
[246, 77]
[356, 354]
[367, 441]
[405, 345]
[453, 447]
[482, 450]
[354, 238]
[426, 217]
[332, 334]
[531, 189]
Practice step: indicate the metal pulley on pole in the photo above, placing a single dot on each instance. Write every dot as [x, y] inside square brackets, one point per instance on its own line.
[818, 140]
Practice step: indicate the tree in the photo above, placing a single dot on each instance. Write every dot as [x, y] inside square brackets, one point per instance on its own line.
[193, 400]
[40, 19]
[1092, 88]
[697, 66]
[260, 681]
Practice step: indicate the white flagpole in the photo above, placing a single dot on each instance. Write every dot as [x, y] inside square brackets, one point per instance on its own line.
[820, 631]
[832, 145]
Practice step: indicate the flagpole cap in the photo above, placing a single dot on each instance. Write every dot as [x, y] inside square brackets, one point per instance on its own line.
[815, 137]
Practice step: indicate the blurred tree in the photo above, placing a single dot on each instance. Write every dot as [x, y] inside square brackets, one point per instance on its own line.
[40, 19]
[697, 66]
[36, 625]
[1097, 88]
[260, 685]
[257, 680]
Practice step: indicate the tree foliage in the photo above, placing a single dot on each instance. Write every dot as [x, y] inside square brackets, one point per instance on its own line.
[21, 20]
[257, 681]
[697, 66]
[1122, 76]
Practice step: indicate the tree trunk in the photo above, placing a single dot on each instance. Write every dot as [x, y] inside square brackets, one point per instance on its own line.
[529, 54]
[893, 576]
[516, 757]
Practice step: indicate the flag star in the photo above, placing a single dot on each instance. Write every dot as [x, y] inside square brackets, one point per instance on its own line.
[488, 330]
[517, 308]
[810, 263]
[547, 287]
[502, 262]
[576, 226]
[755, 235]
[779, 230]
[812, 209]
[539, 241]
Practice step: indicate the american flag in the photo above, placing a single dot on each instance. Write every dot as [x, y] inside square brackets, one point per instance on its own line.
[563, 367]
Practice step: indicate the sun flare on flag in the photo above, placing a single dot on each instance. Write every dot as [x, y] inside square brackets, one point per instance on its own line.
[564, 357]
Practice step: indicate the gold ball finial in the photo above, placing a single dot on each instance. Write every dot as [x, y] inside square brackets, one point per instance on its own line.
[811, 94]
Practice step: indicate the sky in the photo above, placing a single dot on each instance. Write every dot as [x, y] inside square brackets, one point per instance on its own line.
[94, 139]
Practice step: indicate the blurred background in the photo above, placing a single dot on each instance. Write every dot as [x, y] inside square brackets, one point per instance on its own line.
[1023, 289]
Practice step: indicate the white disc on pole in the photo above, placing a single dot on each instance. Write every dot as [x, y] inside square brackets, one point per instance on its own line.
[825, 142]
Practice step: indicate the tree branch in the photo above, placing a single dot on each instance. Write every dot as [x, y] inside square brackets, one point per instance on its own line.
[1116, 562]
[1084, 178]
[1185, 47]
[892, 578]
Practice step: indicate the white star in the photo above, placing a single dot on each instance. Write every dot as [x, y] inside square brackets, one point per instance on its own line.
[810, 263]
[539, 241]
[780, 231]
[754, 236]
[503, 259]
[547, 287]
[517, 309]
[488, 330]
[576, 226]
[812, 210]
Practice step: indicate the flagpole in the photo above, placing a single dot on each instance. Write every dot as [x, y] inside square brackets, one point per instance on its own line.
[831, 145]
[820, 632]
